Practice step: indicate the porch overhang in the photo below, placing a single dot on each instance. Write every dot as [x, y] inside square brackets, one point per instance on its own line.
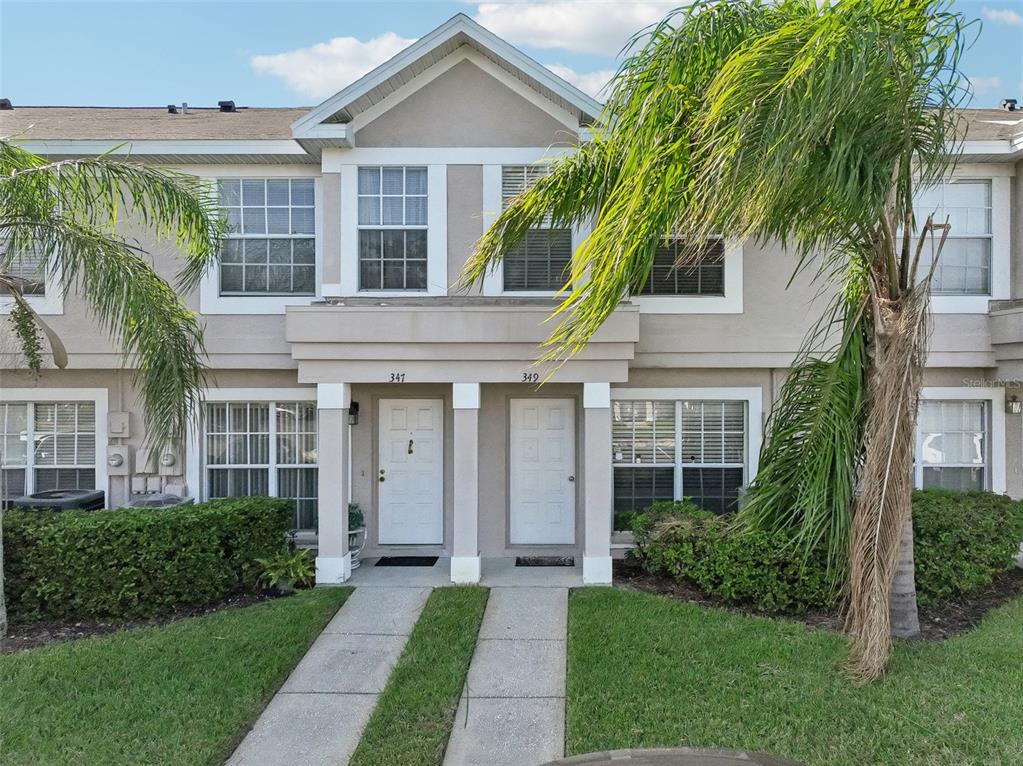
[449, 340]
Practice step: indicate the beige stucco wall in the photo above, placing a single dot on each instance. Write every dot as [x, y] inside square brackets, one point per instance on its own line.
[465, 106]
[465, 219]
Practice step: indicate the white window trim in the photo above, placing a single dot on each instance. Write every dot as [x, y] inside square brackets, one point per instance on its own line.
[210, 300]
[999, 276]
[436, 231]
[50, 303]
[995, 396]
[194, 478]
[99, 398]
[754, 398]
[729, 303]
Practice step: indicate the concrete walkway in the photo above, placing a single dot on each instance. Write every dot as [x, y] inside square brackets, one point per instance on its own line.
[516, 684]
[318, 715]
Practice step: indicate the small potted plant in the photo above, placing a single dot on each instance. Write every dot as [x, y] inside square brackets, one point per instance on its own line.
[287, 570]
[356, 527]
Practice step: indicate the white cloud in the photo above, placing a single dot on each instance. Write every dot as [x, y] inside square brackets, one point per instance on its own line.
[572, 25]
[1006, 16]
[325, 68]
[983, 85]
[588, 82]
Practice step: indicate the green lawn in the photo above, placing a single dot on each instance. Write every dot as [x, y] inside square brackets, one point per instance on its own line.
[182, 693]
[413, 718]
[647, 671]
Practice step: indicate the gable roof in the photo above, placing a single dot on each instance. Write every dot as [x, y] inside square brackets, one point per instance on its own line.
[457, 31]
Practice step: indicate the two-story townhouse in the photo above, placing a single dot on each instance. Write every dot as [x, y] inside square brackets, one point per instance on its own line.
[349, 368]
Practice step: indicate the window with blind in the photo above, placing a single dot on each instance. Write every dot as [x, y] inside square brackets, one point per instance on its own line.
[46, 445]
[667, 450]
[270, 245]
[542, 261]
[263, 448]
[29, 267]
[952, 450]
[964, 266]
[392, 228]
[705, 276]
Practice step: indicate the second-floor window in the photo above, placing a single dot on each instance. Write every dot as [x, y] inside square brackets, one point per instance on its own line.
[270, 247]
[542, 261]
[27, 266]
[705, 276]
[392, 228]
[964, 266]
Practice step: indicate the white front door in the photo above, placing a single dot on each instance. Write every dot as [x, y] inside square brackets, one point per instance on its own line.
[542, 471]
[410, 476]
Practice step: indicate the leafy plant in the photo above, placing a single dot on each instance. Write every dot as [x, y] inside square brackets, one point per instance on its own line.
[138, 562]
[355, 517]
[287, 569]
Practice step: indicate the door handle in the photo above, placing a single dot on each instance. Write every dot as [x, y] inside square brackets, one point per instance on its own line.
[571, 478]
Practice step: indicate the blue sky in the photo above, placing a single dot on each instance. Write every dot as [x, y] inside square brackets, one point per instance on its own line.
[142, 53]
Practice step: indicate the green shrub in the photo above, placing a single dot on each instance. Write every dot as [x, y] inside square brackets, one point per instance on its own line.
[137, 562]
[752, 568]
[961, 540]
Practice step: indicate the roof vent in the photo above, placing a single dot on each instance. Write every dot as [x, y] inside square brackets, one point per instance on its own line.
[172, 108]
[227, 106]
[1009, 104]
[6, 105]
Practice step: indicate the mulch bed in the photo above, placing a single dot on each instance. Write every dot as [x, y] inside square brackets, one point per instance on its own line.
[937, 621]
[32, 635]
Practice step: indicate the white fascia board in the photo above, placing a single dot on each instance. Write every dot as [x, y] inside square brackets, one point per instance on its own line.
[283, 146]
[458, 24]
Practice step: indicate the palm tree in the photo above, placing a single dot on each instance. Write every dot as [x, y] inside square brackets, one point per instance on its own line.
[69, 215]
[810, 123]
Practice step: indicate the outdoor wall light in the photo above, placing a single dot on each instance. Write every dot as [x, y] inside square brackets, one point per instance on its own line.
[353, 414]
[1013, 405]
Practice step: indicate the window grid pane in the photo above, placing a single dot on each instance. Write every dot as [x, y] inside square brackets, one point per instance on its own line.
[392, 217]
[542, 261]
[270, 247]
[706, 276]
[964, 267]
[29, 266]
[263, 448]
[953, 444]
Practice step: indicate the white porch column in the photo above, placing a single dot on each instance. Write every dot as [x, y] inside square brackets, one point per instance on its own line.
[465, 553]
[597, 489]
[333, 560]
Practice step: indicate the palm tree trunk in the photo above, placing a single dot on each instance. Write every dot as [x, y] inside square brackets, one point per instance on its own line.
[882, 511]
[3, 600]
[902, 606]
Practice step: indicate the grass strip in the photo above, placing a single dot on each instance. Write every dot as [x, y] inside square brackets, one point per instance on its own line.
[181, 693]
[648, 671]
[413, 717]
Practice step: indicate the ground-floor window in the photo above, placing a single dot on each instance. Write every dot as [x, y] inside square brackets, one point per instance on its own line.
[667, 450]
[263, 448]
[952, 444]
[46, 445]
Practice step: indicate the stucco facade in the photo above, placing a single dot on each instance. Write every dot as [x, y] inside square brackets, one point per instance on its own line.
[486, 440]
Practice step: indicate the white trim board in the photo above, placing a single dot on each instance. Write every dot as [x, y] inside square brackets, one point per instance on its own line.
[335, 160]
[100, 398]
[995, 395]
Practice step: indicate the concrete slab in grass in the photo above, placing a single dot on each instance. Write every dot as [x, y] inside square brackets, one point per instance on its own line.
[518, 668]
[346, 663]
[507, 732]
[526, 613]
[380, 611]
[310, 729]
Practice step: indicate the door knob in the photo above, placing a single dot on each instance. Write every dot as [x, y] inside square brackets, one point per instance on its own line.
[571, 478]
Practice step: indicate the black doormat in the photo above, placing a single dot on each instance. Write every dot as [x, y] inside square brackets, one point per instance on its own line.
[544, 561]
[406, 561]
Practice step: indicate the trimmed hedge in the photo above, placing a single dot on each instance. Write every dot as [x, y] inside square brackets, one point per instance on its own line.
[685, 542]
[137, 562]
[962, 540]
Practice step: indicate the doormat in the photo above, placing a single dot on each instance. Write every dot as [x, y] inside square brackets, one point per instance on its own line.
[544, 561]
[406, 561]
